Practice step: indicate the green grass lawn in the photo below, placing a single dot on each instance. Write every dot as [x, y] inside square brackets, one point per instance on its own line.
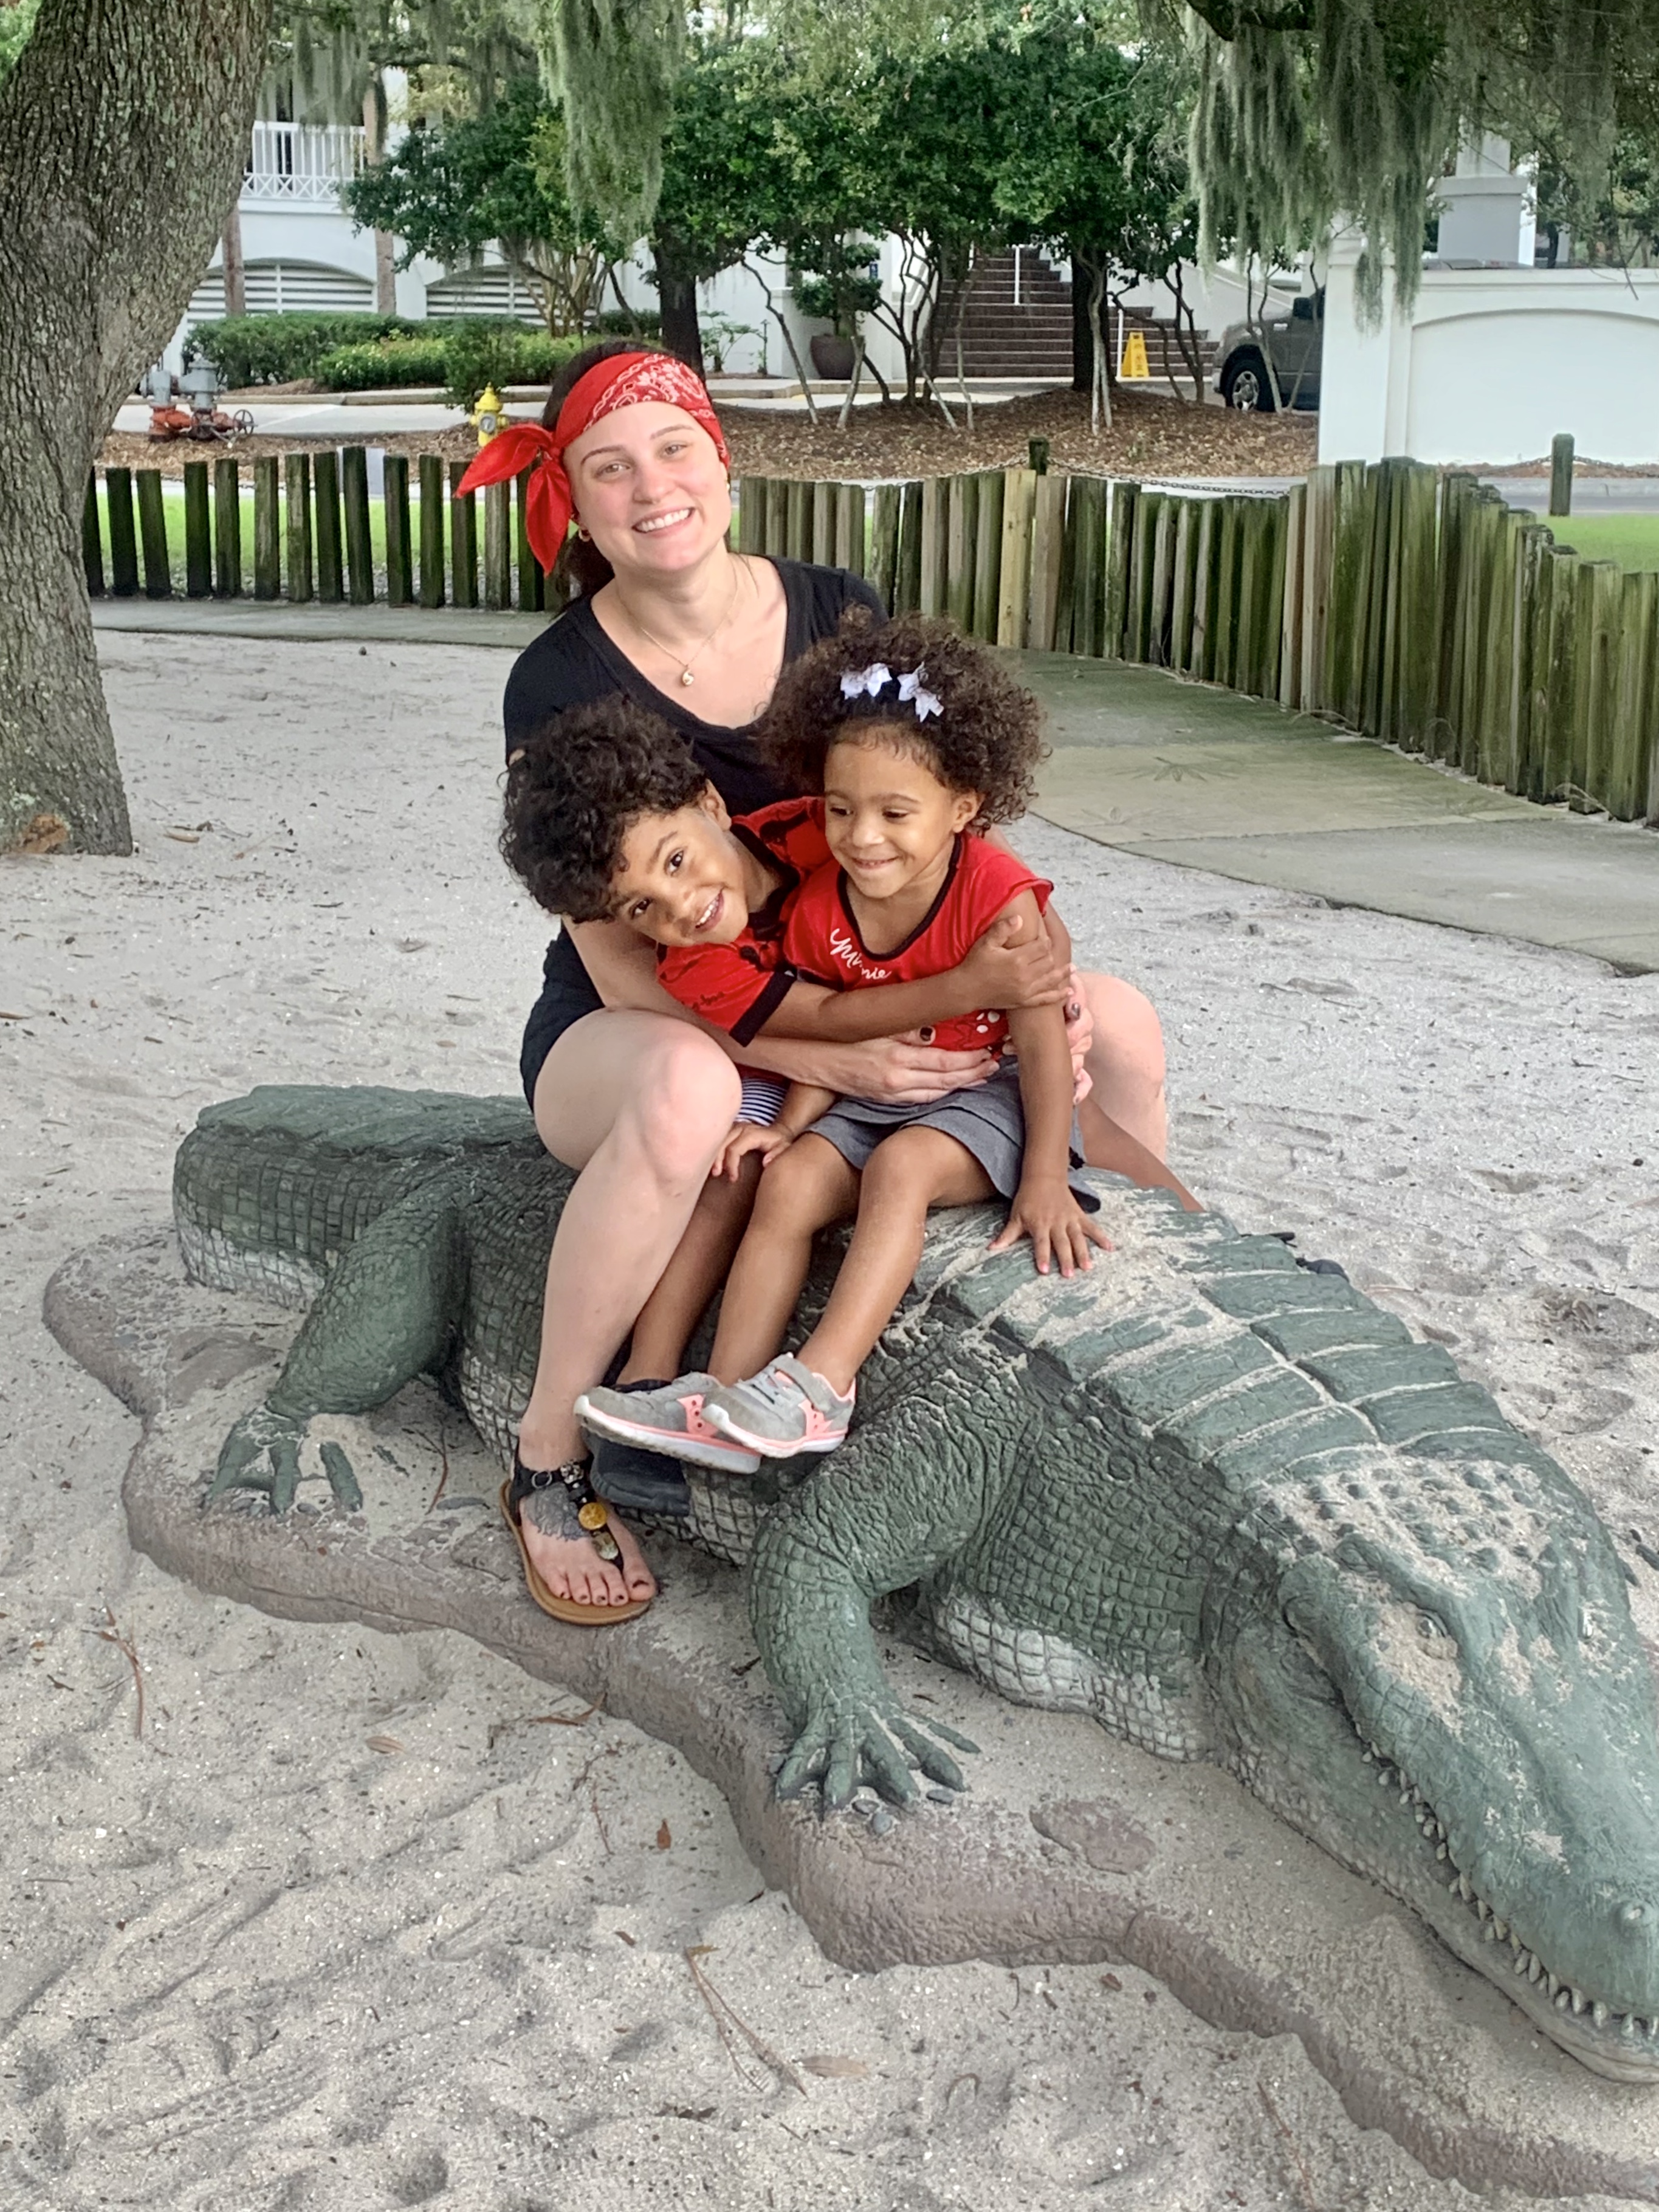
[1631, 540]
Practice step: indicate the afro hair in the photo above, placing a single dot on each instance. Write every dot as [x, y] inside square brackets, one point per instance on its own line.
[580, 782]
[987, 736]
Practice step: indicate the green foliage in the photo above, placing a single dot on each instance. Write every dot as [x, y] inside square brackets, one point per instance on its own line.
[462, 357]
[16, 21]
[247, 350]
[839, 300]
[449, 190]
[612, 66]
[1314, 111]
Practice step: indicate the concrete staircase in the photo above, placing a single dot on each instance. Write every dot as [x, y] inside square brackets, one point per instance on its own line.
[1018, 322]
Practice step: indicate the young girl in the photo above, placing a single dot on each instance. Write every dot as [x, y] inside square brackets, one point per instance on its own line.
[920, 743]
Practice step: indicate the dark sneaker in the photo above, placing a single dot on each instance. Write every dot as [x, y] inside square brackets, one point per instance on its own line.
[664, 1418]
[638, 1481]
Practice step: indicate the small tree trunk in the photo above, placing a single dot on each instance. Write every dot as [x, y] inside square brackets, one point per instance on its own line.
[1083, 336]
[123, 130]
[682, 332]
[386, 265]
[230, 260]
[1100, 383]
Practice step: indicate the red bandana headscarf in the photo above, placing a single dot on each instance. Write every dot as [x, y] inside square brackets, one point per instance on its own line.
[621, 379]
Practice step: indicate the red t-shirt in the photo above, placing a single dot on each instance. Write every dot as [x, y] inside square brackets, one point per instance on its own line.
[822, 944]
[738, 986]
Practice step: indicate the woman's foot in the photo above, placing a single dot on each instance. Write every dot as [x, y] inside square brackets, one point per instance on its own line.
[568, 1561]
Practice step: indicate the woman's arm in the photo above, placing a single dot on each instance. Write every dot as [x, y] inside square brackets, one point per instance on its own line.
[622, 966]
[1009, 966]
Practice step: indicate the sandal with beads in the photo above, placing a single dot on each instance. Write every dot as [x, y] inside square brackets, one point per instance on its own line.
[564, 1505]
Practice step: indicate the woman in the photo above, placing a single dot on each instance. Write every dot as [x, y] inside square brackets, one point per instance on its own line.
[623, 1087]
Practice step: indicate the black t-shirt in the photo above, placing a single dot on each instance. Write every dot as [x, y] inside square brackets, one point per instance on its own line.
[572, 662]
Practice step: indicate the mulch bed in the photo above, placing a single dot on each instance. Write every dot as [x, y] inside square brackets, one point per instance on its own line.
[1152, 435]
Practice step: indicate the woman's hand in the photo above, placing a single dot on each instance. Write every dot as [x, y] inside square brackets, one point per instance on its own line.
[898, 1070]
[1079, 1036]
[746, 1139]
[998, 973]
[1046, 1210]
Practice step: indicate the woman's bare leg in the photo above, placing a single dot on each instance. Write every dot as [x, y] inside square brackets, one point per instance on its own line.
[803, 1191]
[909, 1172]
[1125, 1060]
[640, 1104]
[701, 1261]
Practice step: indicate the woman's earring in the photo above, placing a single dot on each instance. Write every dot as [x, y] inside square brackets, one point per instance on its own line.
[584, 535]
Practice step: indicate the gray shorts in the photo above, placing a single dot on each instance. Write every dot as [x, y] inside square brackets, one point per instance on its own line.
[990, 1123]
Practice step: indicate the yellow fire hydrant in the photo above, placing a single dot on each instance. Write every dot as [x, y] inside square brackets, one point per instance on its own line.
[486, 416]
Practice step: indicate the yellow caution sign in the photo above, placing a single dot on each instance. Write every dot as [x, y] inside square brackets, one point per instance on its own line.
[486, 417]
[1134, 363]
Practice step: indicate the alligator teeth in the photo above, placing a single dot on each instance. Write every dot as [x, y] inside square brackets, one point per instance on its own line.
[1580, 2001]
[1564, 2001]
[1441, 1852]
[1491, 1931]
[1501, 1930]
[1534, 1967]
[1368, 1758]
[1483, 1908]
[1552, 1983]
[1599, 2013]
[1462, 1888]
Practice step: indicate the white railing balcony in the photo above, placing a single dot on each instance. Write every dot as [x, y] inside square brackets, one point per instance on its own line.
[303, 160]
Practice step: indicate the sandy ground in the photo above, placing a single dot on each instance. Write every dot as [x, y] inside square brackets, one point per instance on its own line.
[354, 1921]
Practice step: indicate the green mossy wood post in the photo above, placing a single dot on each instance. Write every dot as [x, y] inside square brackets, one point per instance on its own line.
[296, 504]
[850, 548]
[463, 538]
[359, 540]
[1601, 584]
[122, 537]
[267, 529]
[92, 544]
[935, 492]
[747, 493]
[1119, 545]
[1048, 555]
[498, 546]
[1087, 521]
[825, 501]
[1291, 597]
[1223, 593]
[1561, 473]
[124, 132]
[797, 519]
[1415, 671]
[530, 569]
[198, 532]
[1013, 594]
[961, 541]
[432, 529]
[1318, 535]
[884, 542]
[906, 590]
[226, 529]
[1201, 657]
[399, 553]
[153, 533]
[1185, 569]
[987, 554]
[777, 517]
[1631, 744]
[330, 565]
[1563, 658]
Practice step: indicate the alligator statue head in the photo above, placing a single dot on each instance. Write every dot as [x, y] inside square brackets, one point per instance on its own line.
[1452, 1699]
[1228, 1506]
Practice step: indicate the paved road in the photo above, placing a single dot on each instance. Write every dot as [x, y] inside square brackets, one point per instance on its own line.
[1195, 775]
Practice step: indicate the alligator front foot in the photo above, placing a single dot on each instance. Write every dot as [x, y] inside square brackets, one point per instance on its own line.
[262, 1452]
[848, 1742]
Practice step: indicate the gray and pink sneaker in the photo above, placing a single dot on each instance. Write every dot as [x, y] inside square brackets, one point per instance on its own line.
[785, 1409]
[668, 1419]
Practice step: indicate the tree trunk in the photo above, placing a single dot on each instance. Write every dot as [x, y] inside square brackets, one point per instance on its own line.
[124, 129]
[1082, 340]
[385, 271]
[230, 262]
[682, 333]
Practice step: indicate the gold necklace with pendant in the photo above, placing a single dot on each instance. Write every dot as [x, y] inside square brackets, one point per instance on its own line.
[686, 676]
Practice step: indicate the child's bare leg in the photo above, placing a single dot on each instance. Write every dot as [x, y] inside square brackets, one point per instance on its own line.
[909, 1172]
[1107, 1145]
[803, 1191]
[699, 1266]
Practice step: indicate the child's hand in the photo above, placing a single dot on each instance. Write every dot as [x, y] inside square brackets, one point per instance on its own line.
[745, 1139]
[997, 973]
[1045, 1210]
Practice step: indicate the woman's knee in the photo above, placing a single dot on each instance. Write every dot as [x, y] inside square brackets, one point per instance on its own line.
[1128, 1034]
[686, 1099]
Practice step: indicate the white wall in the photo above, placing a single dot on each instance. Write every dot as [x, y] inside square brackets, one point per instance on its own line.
[1491, 363]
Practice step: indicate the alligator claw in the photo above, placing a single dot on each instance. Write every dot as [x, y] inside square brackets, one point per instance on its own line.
[262, 1452]
[844, 1748]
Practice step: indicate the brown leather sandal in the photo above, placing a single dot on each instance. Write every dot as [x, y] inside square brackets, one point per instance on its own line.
[564, 1494]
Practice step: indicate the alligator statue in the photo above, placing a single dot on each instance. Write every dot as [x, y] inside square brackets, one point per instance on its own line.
[1222, 1502]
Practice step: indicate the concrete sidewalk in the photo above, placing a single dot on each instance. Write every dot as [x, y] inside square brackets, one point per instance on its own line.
[1196, 776]
[1188, 773]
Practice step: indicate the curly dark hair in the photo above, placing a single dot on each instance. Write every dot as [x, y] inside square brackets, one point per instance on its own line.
[987, 737]
[580, 782]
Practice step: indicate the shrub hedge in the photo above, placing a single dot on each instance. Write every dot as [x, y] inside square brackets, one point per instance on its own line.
[375, 353]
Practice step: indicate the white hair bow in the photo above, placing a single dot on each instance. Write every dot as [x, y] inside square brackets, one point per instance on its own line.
[870, 683]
